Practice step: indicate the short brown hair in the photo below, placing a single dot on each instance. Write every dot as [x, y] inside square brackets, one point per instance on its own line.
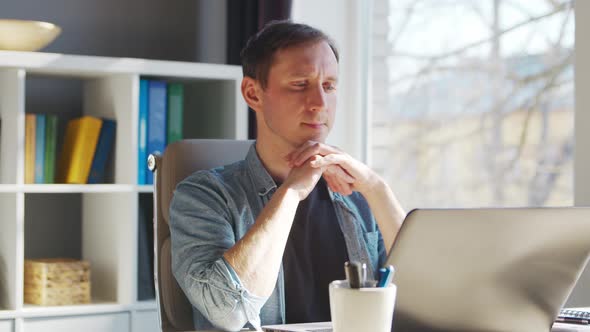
[257, 55]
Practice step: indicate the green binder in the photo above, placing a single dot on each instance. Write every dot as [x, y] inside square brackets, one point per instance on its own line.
[175, 110]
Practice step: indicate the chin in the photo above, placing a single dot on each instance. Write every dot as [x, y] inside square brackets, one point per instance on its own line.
[321, 139]
[302, 138]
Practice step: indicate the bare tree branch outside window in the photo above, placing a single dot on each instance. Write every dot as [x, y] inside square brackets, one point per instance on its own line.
[474, 101]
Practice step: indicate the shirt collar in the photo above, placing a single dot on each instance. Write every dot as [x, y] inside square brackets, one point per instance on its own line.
[262, 180]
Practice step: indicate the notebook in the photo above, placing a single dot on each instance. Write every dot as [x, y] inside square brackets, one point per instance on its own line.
[307, 327]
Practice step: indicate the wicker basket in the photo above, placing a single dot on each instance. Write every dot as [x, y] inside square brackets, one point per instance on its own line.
[56, 281]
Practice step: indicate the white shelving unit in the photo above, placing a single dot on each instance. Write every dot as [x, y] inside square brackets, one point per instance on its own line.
[100, 220]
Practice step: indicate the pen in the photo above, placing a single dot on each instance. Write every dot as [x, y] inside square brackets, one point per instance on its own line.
[364, 275]
[382, 272]
[353, 274]
[385, 276]
[391, 273]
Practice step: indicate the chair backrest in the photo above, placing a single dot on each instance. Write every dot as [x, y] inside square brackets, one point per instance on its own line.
[180, 159]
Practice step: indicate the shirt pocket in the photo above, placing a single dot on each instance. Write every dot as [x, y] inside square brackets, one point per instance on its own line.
[372, 242]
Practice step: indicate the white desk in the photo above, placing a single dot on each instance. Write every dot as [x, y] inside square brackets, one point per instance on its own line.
[557, 327]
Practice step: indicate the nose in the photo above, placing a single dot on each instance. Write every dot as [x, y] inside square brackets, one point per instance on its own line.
[317, 99]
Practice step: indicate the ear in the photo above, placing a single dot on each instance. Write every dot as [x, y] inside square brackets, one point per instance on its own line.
[251, 91]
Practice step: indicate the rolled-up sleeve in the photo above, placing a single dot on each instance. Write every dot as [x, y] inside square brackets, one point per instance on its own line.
[201, 220]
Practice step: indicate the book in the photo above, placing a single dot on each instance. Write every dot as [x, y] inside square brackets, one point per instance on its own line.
[51, 123]
[40, 148]
[175, 112]
[78, 149]
[156, 129]
[142, 131]
[103, 151]
[145, 249]
[30, 129]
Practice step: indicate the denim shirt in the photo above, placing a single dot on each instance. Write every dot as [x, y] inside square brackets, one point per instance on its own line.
[211, 210]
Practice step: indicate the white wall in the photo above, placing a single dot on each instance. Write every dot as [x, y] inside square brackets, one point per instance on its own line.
[342, 20]
[581, 294]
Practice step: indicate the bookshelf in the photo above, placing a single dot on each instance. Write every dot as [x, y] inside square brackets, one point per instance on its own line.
[96, 222]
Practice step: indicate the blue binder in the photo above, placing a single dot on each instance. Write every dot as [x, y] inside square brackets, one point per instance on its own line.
[156, 130]
[142, 132]
[103, 151]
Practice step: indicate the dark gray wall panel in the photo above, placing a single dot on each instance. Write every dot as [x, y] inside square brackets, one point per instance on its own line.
[184, 30]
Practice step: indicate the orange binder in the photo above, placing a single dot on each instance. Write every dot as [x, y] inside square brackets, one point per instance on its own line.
[30, 129]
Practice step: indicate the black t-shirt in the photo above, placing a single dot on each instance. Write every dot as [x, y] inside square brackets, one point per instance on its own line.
[314, 256]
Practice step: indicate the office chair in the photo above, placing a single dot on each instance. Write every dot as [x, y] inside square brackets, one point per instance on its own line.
[180, 159]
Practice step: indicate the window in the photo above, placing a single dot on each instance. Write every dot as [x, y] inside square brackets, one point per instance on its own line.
[473, 101]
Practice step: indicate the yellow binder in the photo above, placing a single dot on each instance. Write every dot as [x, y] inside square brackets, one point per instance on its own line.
[78, 149]
[30, 129]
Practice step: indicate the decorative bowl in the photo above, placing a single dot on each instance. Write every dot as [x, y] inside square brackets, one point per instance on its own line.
[20, 35]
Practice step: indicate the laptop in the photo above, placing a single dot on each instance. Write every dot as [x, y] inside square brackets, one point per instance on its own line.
[487, 269]
[491, 269]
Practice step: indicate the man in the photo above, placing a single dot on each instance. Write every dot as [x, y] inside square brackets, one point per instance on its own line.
[257, 242]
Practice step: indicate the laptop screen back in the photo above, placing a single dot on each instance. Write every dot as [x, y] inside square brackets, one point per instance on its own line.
[487, 269]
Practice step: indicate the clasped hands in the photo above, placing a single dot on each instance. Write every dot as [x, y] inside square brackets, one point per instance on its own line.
[342, 173]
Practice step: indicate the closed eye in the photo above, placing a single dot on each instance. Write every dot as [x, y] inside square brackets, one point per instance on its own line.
[299, 83]
[329, 86]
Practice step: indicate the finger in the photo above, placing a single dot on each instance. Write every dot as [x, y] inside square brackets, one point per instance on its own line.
[346, 162]
[335, 165]
[330, 186]
[337, 185]
[349, 190]
[345, 188]
[315, 148]
[340, 173]
[329, 181]
[305, 152]
[320, 170]
[289, 157]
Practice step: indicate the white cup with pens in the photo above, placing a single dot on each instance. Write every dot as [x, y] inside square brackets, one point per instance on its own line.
[357, 304]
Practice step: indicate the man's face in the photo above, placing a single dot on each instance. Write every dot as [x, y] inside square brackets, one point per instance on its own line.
[299, 102]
